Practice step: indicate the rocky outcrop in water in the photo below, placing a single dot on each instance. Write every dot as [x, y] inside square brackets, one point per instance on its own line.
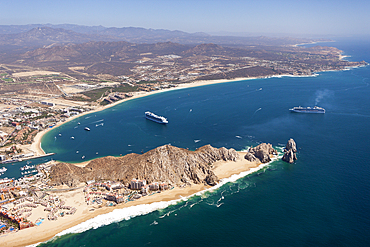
[289, 152]
[262, 153]
[167, 163]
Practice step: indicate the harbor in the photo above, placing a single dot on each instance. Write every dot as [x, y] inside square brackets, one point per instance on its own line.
[20, 158]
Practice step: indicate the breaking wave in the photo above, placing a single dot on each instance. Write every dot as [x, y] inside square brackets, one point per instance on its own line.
[118, 215]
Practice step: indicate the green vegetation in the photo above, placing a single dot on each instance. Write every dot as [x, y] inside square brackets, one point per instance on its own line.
[146, 82]
[43, 115]
[125, 88]
[94, 94]
[7, 79]
[98, 93]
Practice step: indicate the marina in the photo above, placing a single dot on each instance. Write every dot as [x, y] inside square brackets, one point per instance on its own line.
[15, 160]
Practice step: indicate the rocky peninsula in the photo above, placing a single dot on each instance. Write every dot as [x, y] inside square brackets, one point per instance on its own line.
[169, 164]
[166, 173]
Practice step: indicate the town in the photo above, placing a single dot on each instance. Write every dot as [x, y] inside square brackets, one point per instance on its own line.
[33, 100]
[39, 97]
[28, 201]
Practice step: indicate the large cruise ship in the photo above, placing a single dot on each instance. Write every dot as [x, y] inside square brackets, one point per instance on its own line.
[314, 109]
[158, 119]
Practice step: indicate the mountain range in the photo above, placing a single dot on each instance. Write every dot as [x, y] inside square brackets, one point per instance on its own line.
[18, 37]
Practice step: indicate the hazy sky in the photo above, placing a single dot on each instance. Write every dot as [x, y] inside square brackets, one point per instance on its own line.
[323, 17]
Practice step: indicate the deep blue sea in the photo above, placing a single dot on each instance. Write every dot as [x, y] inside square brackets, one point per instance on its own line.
[321, 200]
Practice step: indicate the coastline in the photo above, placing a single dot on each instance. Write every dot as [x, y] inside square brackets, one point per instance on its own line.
[85, 219]
[36, 144]
[45, 231]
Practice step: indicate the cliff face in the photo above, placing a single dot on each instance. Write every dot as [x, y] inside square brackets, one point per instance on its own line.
[289, 152]
[163, 164]
[262, 153]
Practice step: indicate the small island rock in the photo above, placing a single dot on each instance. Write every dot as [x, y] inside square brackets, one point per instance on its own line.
[289, 152]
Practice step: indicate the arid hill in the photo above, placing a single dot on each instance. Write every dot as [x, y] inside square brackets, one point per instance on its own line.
[163, 164]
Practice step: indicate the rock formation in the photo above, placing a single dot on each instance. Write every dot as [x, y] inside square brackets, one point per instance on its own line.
[289, 151]
[262, 153]
[163, 164]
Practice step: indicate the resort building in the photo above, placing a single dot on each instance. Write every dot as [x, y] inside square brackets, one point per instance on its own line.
[163, 186]
[137, 184]
[154, 186]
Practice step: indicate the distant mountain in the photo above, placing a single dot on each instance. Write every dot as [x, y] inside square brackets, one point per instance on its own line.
[95, 52]
[91, 52]
[208, 50]
[12, 29]
[43, 35]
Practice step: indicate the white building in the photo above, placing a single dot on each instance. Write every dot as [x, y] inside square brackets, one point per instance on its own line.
[137, 184]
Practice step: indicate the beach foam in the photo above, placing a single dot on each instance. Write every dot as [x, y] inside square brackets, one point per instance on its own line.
[281, 76]
[118, 215]
[131, 212]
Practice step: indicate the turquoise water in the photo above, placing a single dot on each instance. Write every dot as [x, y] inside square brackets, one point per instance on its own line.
[321, 200]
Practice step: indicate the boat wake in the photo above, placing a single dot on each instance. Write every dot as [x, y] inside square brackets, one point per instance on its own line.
[98, 121]
[257, 111]
[154, 223]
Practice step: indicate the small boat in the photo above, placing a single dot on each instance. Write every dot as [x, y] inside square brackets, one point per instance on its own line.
[72, 137]
[83, 157]
[78, 123]
[87, 129]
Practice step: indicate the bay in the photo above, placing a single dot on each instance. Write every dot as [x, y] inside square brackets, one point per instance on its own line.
[321, 200]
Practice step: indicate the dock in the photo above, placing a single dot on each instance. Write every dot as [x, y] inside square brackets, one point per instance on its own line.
[28, 158]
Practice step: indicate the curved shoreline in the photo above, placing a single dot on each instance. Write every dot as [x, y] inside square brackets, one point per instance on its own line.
[43, 235]
[36, 144]
[84, 219]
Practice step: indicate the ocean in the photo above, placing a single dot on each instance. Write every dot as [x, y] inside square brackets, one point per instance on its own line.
[322, 199]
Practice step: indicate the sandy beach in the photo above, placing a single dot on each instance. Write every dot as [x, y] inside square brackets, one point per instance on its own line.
[48, 229]
[36, 145]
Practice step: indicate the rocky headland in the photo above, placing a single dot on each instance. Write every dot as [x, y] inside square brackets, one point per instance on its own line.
[262, 153]
[169, 164]
[166, 163]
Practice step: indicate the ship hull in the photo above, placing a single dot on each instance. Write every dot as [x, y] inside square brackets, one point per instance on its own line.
[158, 119]
[301, 109]
[305, 111]
[155, 120]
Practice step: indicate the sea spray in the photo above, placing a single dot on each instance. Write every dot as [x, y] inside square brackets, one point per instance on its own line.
[118, 215]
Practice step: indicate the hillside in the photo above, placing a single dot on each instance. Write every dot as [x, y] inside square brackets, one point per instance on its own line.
[39, 35]
[166, 164]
